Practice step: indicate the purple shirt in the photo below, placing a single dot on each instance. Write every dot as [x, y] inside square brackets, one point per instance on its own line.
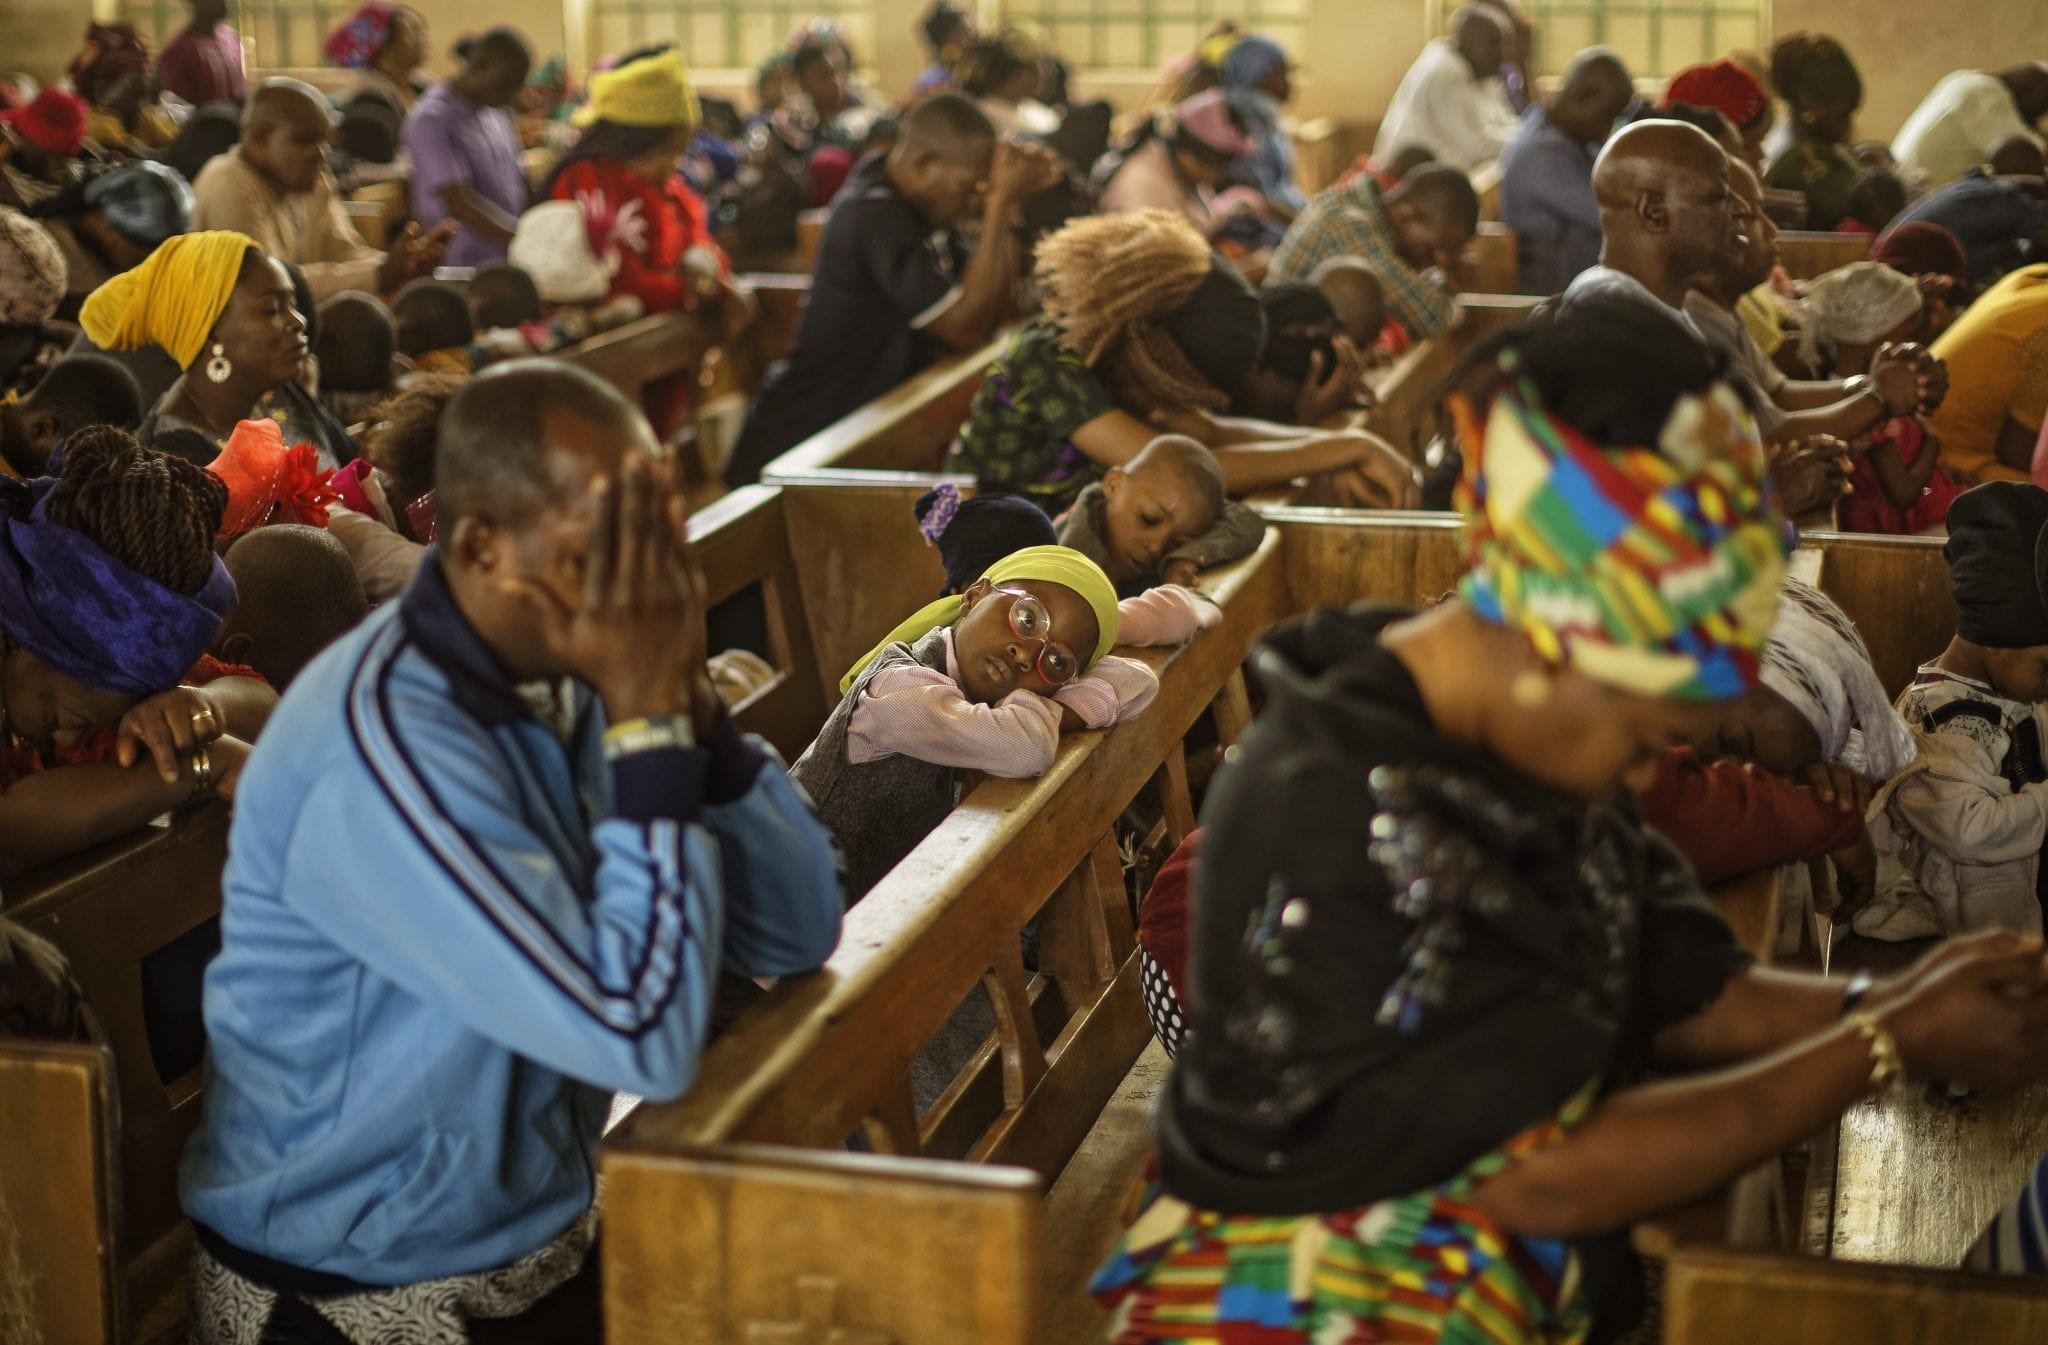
[203, 66]
[453, 140]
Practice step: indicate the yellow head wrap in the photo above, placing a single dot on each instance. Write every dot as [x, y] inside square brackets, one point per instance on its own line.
[652, 91]
[1047, 564]
[171, 300]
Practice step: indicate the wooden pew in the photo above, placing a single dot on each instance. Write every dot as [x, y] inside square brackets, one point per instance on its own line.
[1321, 153]
[60, 1273]
[828, 1054]
[1807, 256]
[106, 911]
[1713, 1297]
[1494, 257]
[1896, 590]
[908, 429]
[810, 234]
[1487, 183]
[1406, 390]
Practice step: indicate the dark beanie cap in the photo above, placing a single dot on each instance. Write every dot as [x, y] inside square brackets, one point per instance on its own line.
[973, 534]
[1998, 564]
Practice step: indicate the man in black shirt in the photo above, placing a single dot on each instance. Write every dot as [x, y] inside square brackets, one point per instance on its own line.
[894, 288]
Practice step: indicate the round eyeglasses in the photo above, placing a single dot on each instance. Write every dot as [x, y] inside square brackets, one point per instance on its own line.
[1056, 665]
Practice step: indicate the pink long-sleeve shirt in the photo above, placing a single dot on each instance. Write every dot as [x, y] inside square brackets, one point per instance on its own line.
[922, 712]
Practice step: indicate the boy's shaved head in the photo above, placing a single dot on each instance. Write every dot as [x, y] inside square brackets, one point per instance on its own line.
[1354, 290]
[1187, 459]
[296, 592]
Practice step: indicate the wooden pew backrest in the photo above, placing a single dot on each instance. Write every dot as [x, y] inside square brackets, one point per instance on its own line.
[1806, 255]
[1495, 255]
[743, 545]
[1896, 590]
[1336, 557]
[727, 1231]
[907, 429]
[106, 911]
[1321, 153]
[1406, 390]
[60, 1280]
[1714, 1297]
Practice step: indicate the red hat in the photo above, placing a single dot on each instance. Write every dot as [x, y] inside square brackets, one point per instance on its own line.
[53, 121]
[1721, 85]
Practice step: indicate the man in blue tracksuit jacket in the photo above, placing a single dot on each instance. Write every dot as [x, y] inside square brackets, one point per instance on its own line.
[485, 869]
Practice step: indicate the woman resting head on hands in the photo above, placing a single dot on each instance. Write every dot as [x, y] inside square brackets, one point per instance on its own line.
[225, 311]
[110, 596]
[1435, 952]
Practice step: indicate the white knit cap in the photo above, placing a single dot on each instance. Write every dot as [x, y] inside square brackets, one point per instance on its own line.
[1852, 305]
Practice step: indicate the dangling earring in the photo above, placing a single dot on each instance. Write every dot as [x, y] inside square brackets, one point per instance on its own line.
[1530, 688]
[218, 369]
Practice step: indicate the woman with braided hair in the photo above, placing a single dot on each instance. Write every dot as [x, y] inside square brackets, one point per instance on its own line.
[1820, 85]
[110, 597]
[1145, 329]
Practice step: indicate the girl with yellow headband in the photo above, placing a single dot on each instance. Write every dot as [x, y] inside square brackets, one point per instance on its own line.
[1435, 952]
[228, 314]
[985, 680]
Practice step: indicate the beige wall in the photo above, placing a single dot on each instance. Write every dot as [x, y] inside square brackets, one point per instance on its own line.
[1353, 56]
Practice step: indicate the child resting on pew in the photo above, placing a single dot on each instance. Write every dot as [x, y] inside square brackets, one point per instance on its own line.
[296, 592]
[435, 328]
[386, 517]
[1787, 774]
[1145, 329]
[1971, 819]
[1898, 484]
[985, 681]
[110, 596]
[79, 390]
[357, 340]
[1161, 518]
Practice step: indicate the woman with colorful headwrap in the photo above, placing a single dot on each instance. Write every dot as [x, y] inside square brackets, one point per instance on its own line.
[1144, 329]
[1256, 78]
[385, 44]
[985, 680]
[110, 597]
[1822, 89]
[1435, 951]
[226, 313]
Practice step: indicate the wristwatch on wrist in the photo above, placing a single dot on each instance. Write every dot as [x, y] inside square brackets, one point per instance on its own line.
[648, 734]
[1852, 997]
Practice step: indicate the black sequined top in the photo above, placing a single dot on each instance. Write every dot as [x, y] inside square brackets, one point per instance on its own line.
[1404, 953]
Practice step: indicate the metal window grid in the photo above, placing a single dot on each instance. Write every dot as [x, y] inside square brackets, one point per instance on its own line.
[286, 34]
[728, 34]
[1655, 37]
[1142, 34]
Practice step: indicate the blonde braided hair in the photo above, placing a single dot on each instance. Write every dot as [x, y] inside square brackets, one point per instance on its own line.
[1109, 282]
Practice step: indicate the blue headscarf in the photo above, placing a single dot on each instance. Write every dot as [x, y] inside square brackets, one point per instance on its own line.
[1254, 57]
[86, 614]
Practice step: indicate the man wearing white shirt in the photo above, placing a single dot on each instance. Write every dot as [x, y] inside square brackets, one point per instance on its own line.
[1451, 102]
[1957, 124]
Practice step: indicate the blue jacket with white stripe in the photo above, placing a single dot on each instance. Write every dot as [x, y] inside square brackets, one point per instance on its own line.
[449, 936]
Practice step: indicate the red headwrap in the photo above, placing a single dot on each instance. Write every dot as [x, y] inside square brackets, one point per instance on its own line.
[1721, 85]
[269, 483]
[54, 122]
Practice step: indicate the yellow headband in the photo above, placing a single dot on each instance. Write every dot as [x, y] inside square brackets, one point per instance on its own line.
[172, 300]
[1045, 564]
[652, 91]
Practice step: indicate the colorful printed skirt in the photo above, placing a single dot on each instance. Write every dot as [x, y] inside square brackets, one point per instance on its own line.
[1422, 1268]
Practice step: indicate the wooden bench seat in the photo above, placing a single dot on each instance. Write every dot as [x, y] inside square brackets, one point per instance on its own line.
[1806, 255]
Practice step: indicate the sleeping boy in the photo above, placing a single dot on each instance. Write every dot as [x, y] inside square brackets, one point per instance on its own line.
[1161, 518]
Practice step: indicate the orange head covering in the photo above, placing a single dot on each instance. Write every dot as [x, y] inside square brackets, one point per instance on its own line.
[269, 483]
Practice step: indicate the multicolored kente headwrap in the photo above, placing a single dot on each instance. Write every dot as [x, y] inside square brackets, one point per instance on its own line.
[1650, 568]
[361, 36]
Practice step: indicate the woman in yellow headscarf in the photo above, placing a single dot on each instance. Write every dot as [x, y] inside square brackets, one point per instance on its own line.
[230, 316]
[626, 169]
[984, 681]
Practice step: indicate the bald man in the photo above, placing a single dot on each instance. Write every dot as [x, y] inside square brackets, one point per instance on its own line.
[275, 187]
[1964, 116]
[1546, 172]
[1667, 216]
[1451, 102]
